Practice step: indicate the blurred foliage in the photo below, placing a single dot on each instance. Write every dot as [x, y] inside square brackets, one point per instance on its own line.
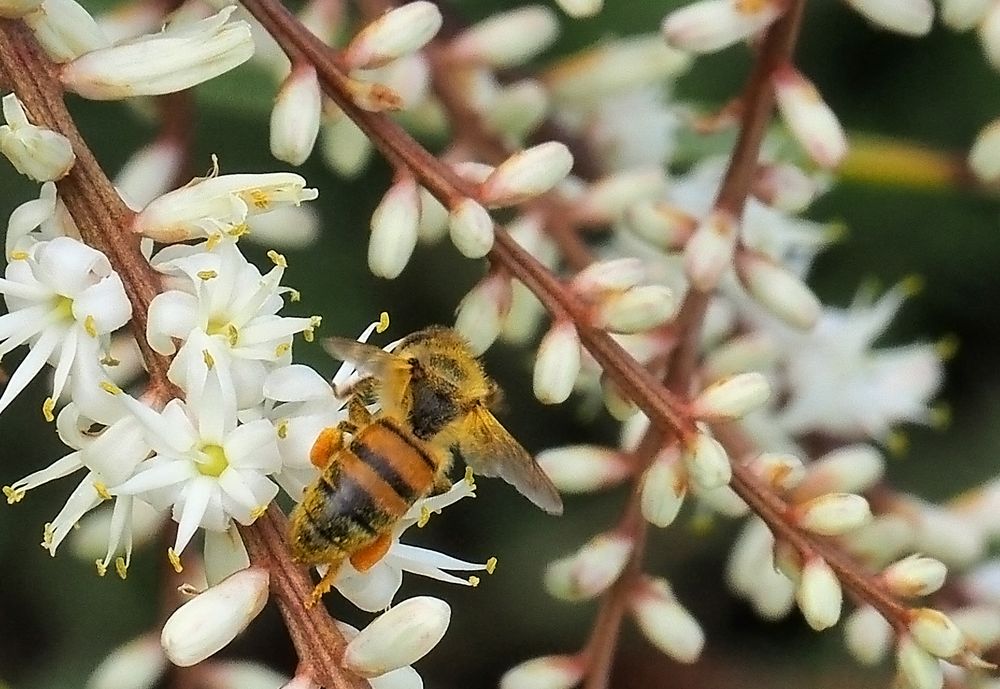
[58, 620]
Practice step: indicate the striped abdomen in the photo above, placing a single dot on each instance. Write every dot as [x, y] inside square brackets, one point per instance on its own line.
[368, 487]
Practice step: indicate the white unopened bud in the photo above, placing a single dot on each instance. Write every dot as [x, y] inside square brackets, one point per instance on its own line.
[709, 251]
[295, 117]
[748, 352]
[778, 290]
[136, 665]
[244, 674]
[344, 146]
[482, 311]
[709, 25]
[660, 224]
[471, 229]
[819, 595]
[527, 174]
[508, 39]
[608, 198]
[733, 397]
[394, 229]
[591, 570]
[149, 172]
[962, 15]
[635, 310]
[213, 618]
[398, 32]
[920, 669]
[915, 576]
[547, 672]
[909, 17]
[518, 109]
[580, 8]
[175, 59]
[557, 364]
[935, 632]
[664, 486]
[833, 514]
[851, 469]
[989, 35]
[608, 276]
[399, 637]
[65, 30]
[868, 635]
[780, 471]
[785, 187]
[15, 9]
[433, 218]
[707, 462]
[721, 500]
[943, 534]
[583, 468]
[984, 158]
[809, 118]
[36, 152]
[665, 622]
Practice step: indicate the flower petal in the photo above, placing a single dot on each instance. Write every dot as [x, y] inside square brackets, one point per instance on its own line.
[373, 590]
[29, 368]
[296, 383]
[160, 474]
[105, 302]
[197, 493]
[69, 266]
[253, 445]
[172, 314]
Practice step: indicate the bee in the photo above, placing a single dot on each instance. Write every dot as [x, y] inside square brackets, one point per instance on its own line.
[433, 401]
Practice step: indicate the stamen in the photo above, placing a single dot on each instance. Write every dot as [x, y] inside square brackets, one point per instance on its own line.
[473, 581]
[947, 347]
[213, 241]
[48, 535]
[207, 274]
[13, 495]
[47, 407]
[277, 259]
[237, 231]
[425, 516]
[121, 567]
[491, 565]
[209, 359]
[283, 429]
[260, 199]
[90, 326]
[233, 334]
[175, 560]
[383, 322]
[110, 387]
[294, 295]
[470, 478]
[102, 490]
[282, 349]
[102, 567]
[258, 512]
[109, 360]
[19, 255]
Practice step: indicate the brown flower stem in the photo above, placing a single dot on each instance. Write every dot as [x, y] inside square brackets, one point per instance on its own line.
[318, 642]
[99, 213]
[177, 126]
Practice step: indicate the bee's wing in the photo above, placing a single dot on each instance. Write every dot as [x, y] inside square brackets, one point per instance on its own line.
[367, 358]
[490, 450]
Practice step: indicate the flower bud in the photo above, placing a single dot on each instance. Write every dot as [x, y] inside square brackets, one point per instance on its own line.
[752, 552]
[707, 462]
[400, 636]
[942, 534]
[394, 229]
[984, 158]
[245, 674]
[915, 576]
[868, 635]
[402, 678]
[819, 595]
[785, 187]
[980, 625]
[433, 218]
[709, 251]
[733, 397]
[580, 8]
[175, 59]
[710, 25]
[557, 364]
[296, 115]
[149, 172]
[635, 310]
[619, 405]
[920, 669]
[962, 15]
[665, 622]
[615, 275]
[808, 117]
[482, 311]
[850, 469]
[721, 500]
[508, 39]
[527, 174]
[989, 35]
[608, 198]
[213, 618]
[935, 632]
[547, 672]
[591, 570]
[833, 514]
[780, 471]
[344, 146]
[15, 9]
[583, 468]
[518, 109]
[135, 665]
[65, 30]
[400, 31]
[664, 486]
[741, 354]
[36, 152]
[778, 290]
[909, 17]
[660, 224]
[471, 229]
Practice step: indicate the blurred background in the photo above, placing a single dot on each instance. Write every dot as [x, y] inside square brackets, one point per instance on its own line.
[58, 619]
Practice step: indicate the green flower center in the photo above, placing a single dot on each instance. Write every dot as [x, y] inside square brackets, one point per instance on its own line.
[216, 461]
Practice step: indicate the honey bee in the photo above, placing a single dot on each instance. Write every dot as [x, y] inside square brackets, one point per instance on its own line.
[433, 397]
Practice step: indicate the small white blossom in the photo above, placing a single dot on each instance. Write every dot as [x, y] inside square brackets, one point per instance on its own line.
[36, 152]
[65, 29]
[38, 220]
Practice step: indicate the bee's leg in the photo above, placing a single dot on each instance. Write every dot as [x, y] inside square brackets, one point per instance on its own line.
[325, 584]
[366, 558]
[330, 440]
[357, 413]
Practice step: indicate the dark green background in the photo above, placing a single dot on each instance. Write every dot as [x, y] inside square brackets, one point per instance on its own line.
[57, 619]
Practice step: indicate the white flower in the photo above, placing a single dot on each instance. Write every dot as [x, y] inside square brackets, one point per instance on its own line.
[226, 315]
[38, 220]
[64, 300]
[109, 458]
[205, 465]
[36, 152]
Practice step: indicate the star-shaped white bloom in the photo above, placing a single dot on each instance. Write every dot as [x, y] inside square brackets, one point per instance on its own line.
[206, 466]
[64, 301]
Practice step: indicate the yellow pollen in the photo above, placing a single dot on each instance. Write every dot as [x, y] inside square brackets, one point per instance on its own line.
[912, 285]
[47, 406]
[282, 349]
[175, 560]
[209, 359]
[13, 496]
[941, 416]
[90, 325]
[102, 490]
[48, 535]
[19, 255]
[63, 308]
[258, 512]
[425, 516]
[294, 295]
[260, 199]
[237, 231]
[207, 274]
[283, 429]
[232, 335]
[109, 360]
[383, 322]
[121, 567]
[277, 259]
[898, 443]
[216, 461]
[470, 478]
[110, 388]
[213, 241]
[473, 581]
[491, 565]
[102, 567]
[947, 347]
